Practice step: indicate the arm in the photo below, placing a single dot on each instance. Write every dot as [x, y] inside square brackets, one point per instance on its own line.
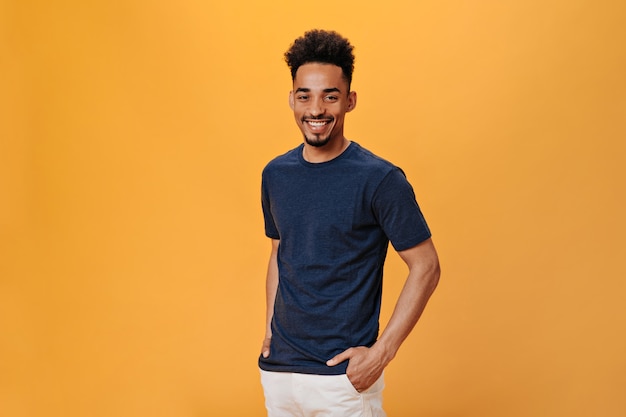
[367, 364]
[271, 285]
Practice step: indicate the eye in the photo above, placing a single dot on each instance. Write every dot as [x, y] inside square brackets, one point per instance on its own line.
[332, 98]
[302, 97]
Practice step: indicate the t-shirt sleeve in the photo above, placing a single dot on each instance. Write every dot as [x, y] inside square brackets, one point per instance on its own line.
[398, 212]
[271, 230]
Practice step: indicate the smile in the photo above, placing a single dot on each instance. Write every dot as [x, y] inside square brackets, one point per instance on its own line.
[317, 123]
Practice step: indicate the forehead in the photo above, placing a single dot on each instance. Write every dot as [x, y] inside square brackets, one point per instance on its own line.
[316, 75]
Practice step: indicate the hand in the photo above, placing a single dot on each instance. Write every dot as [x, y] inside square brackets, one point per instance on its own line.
[265, 349]
[364, 368]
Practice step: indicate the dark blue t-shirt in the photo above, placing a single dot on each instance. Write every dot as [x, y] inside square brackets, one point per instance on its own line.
[334, 221]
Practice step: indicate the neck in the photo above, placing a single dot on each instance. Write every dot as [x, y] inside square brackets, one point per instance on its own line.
[324, 153]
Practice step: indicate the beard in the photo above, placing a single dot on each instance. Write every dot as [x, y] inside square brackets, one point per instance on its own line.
[317, 140]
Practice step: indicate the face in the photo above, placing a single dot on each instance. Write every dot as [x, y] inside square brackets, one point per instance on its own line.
[320, 100]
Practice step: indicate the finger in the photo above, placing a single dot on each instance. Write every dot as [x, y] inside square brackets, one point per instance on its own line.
[265, 349]
[337, 359]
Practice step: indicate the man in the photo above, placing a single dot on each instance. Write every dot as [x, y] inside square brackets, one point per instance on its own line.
[331, 208]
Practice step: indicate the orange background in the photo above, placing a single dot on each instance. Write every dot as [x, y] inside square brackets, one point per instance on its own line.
[132, 253]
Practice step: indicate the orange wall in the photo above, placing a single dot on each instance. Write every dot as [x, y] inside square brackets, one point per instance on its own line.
[132, 254]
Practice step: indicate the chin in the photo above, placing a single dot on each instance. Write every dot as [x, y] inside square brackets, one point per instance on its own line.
[317, 142]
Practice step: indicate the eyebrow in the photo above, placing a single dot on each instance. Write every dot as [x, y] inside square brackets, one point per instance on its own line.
[326, 90]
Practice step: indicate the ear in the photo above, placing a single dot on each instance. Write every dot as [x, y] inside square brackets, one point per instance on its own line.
[291, 98]
[351, 100]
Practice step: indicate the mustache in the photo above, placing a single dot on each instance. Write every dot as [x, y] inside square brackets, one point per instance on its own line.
[325, 118]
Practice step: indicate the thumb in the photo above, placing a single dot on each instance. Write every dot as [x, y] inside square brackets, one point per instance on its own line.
[265, 349]
[337, 359]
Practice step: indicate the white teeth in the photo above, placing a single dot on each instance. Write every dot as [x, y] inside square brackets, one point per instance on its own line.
[317, 124]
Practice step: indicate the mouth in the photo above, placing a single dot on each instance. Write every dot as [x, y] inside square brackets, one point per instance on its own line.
[317, 124]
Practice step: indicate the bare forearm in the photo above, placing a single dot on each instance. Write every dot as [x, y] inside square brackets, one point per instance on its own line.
[271, 286]
[421, 282]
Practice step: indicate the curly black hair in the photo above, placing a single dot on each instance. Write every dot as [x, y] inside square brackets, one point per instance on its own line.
[327, 47]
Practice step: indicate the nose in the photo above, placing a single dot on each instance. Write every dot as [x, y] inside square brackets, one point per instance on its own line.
[317, 107]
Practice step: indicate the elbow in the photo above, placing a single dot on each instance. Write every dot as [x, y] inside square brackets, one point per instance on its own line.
[432, 276]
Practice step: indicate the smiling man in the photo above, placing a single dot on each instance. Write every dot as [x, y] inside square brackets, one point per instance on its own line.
[319, 108]
[331, 208]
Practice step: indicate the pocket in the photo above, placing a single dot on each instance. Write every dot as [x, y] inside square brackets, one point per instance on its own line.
[373, 399]
[377, 387]
[349, 386]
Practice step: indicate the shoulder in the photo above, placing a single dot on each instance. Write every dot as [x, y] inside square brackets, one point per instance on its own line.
[285, 160]
[367, 161]
[388, 177]
[366, 156]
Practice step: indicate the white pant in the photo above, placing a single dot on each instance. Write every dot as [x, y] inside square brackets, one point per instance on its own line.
[302, 395]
